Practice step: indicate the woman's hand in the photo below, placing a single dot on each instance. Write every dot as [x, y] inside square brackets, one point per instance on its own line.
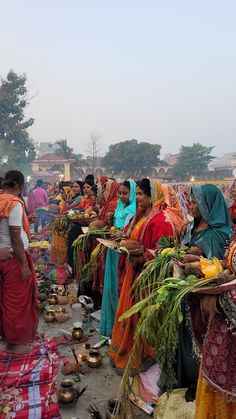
[26, 272]
[226, 276]
[193, 268]
[32, 218]
[97, 224]
[190, 258]
[194, 250]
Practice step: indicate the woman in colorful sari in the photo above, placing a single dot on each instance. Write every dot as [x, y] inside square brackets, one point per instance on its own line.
[174, 212]
[211, 231]
[76, 194]
[86, 204]
[125, 210]
[105, 219]
[214, 317]
[18, 289]
[232, 209]
[145, 230]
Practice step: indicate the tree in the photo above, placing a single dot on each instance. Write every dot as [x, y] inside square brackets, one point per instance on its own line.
[93, 148]
[64, 149]
[193, 161]
[132, 158]
[13, 126]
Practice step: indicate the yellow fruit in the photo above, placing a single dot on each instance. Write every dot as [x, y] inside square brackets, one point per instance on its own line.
[86, 215]
[166, 251]
[211, 268]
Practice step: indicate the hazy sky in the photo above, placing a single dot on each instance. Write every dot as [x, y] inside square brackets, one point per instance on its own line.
[157, 70]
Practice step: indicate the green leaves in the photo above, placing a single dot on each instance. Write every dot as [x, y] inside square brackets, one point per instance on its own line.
[13, 127]
[193, 161]
[132, 158]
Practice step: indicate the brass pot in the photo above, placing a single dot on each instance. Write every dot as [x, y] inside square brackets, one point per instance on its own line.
[67, 392]
[94, 359]
[52, 299]
[49, 316]
[77, 334]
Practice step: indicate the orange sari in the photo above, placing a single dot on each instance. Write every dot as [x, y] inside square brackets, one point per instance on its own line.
[122, 339]
[148, 230]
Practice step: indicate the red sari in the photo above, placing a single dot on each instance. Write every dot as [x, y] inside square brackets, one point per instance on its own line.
[19, 314]
[107, 211]
[148, 231]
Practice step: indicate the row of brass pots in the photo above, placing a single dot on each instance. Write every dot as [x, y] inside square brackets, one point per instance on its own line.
[77, 334]
[53, 299]
[49, 316]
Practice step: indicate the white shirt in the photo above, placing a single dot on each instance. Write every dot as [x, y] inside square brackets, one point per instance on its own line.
[14, 220]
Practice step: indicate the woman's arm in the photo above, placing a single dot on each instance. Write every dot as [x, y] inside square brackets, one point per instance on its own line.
[19, 251]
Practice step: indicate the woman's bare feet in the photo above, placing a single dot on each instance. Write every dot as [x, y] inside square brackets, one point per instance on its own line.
[18, 349]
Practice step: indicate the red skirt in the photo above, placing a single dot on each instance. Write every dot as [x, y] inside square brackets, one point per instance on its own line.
[19, 314]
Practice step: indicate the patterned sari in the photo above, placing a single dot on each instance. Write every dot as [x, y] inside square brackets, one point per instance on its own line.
[147, 230]
[110, 298]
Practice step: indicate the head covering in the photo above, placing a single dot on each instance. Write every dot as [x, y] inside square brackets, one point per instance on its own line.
[102, 179]
[157, 193]
[106, 192]
[7, 203]
[214, 211]
[157, 199]
[111, 199]
[124, 213]
[173, 211]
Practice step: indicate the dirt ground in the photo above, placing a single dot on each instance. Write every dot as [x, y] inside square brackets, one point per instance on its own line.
[102, 382]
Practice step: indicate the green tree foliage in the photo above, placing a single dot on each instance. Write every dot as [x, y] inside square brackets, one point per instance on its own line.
[132, 158]
[14, 137]
[193, 161]
[64, 149]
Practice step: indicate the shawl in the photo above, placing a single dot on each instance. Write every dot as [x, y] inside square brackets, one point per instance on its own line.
[85, 203]
[157, 199]
[124, 213]
[212, 206]
[7, 203]
[216, 337]
[173, 211]
[102, 179]
[111, 199]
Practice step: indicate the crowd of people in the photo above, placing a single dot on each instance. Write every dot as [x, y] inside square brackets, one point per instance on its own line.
[138, 214]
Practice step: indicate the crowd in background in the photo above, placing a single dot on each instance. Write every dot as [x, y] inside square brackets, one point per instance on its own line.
[139, 213]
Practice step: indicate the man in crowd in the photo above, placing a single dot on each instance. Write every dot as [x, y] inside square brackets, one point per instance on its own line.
[40, 198]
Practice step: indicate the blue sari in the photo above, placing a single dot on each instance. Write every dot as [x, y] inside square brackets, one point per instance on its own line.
[122, 216]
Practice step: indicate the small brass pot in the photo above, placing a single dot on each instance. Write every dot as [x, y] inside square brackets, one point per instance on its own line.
[94, 359]
[49, 316]
[52, 299]
[67, 392]
[77, 334]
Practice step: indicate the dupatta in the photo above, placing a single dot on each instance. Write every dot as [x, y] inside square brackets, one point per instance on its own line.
[173, 212]
[212, 206]
[111, 199]
[7, 203]
[124, 213]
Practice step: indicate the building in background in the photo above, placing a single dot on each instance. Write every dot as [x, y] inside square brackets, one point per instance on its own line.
[47, 148]
[223, 167]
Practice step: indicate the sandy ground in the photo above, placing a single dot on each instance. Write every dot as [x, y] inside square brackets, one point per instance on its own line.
[102, 382]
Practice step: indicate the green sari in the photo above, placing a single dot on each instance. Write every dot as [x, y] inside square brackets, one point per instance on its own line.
[213, 209]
